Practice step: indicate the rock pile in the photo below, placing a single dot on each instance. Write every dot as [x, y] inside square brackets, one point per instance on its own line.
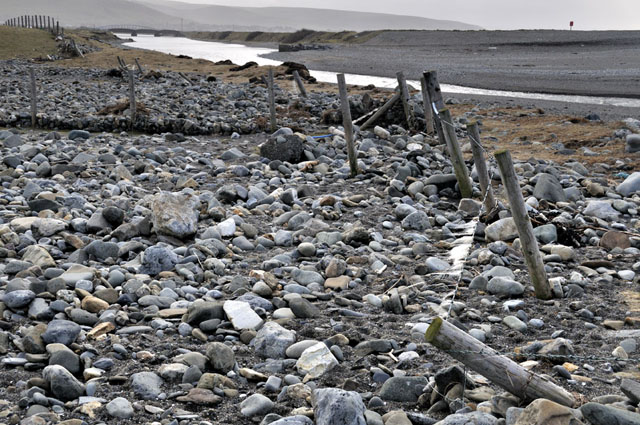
[171, 279]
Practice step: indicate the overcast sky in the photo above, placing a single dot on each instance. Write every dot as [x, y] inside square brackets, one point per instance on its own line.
[490, 14]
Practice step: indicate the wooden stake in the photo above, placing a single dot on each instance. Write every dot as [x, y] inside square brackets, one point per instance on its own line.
[132, 97]
[347, 124]
[404, 97]
[435, 96]
[498, 369]
[34, 104]
[272, 101]
[298, 80]
[426, 101]
[528, 242]
[481, 166]
[459, 167]
[139, 67]
[381, 111]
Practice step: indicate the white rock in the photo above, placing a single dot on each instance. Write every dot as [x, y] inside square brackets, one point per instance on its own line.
[242, 315]
[381, 132]
[626, 274]
[227, 228]
[502, 230]
[315, 361]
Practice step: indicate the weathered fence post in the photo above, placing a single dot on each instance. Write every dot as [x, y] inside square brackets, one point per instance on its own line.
[139, 67]
[298, 80]
[34, 104]
[57, 28]
[435, 96]
[347, 124]
[481, 166]
[426, 101]
[132, 97]
[383, 109]
[272, 101]
[528, 242]
[404, 97]
[459, 167]
[498, 369]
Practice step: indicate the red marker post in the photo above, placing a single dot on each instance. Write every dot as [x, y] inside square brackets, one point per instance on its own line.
[570, 25]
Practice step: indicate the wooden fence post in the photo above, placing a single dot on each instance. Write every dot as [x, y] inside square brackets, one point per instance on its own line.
[426, 102]
[528, 242]
[139, 66]
[404, 97]
[347, 124]
[481, 166]
[459, 167]
[34, 104]
[384, 108]
[435, 96]
[298, 80]
[132, 97]
[498, 369]
[272, 101]
[57, 28]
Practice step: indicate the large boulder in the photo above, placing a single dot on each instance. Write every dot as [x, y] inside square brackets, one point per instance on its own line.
[175, 214]
[630, 185]
[286, 148]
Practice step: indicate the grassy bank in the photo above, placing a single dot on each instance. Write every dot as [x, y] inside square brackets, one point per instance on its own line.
[303, 36]
[23, 43]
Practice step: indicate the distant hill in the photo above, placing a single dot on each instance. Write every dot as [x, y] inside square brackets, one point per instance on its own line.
[177, 15]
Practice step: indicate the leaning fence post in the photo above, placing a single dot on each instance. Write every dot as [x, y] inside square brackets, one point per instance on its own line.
[34, 105]
[481, 166]
[499, 369]
[459, 167]
[528, 242]
[347, 124]
[426, 102]
[132, 98]
[272, 101]
[381, 111]
[298, 80]
[404, 97]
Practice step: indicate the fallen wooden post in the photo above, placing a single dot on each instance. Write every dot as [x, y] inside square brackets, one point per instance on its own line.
[426, 101]
[185, 78]
[140, 70]
[34, 104]
[347, 124]
[132, 97]
[459, 167]
[528, 242]
[404, 97]
[437, 101]
[272, 101]
[498, 369]
[298, 80]
[481, 166]
[381, 111]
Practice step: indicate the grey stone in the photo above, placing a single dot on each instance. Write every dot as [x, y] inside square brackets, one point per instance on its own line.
[63, 384]
[501, 230]
[472, 418]
[333, 406]
[146, 385]
[272, 341]
[79, 134]
[255, 405]
[599, 414]
[175, 214]
[158, 258]
[120, 408]
[546, 233]
[303, 308]
[61, 331]
[633, 143]
[404, 389]
[601, 209]
[221, 357]
[418, 220]
[630, 185]
[286, 148]
[18, 299]
[549, 188]
[434, 265]
[504, 287]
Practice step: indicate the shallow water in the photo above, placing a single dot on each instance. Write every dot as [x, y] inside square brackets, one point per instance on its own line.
[240, 54]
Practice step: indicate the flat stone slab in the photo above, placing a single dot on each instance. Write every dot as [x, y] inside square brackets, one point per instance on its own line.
[241, 315]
